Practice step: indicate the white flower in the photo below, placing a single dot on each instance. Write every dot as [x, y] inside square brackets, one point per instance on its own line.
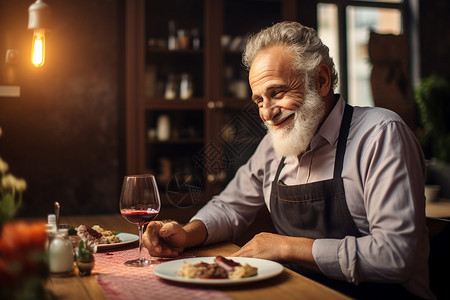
[10, 182]
[21, 185]
[3, 166]
[11, 189]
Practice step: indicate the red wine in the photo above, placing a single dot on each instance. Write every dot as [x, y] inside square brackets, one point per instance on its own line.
[138, 216]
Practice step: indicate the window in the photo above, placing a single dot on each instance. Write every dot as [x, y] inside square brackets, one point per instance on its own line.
[344, 27]
[328, 30]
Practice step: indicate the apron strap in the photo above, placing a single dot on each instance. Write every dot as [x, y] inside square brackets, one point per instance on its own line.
[280, 167]
[342, 140]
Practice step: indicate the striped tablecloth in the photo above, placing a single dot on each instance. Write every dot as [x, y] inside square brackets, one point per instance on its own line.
[131, 283]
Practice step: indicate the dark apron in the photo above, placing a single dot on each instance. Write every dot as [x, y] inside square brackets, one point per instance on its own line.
[319, 210]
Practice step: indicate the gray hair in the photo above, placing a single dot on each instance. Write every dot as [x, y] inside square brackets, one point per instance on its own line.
[302, 40]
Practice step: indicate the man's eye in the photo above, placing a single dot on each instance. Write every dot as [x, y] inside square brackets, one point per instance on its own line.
[278, 93]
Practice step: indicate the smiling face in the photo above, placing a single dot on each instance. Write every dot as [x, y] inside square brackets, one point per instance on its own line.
[277, 91]
[291, 111]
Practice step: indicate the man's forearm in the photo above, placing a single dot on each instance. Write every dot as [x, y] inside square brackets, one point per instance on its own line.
[299, 251]
[196, 233]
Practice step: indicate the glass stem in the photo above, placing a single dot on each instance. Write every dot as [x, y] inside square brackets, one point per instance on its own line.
[141, 229]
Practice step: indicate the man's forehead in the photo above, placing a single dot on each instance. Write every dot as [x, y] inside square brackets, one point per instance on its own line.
[270, 63]
[274, 55]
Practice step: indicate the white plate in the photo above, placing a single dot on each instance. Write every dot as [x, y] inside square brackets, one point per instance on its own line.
[266, 269]
[127, 238]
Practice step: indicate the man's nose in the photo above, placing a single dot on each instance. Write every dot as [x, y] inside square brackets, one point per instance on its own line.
[269, 110]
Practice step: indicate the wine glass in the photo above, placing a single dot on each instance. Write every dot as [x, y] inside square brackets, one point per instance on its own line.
[139, 204]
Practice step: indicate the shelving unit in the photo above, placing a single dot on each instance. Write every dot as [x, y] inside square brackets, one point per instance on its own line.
[215, 130]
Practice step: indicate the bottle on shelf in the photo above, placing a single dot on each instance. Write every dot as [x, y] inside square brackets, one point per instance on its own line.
[183, 38]
[163, 128]
[171, 87]
[173, 42]
[186, 88]
[195, 38]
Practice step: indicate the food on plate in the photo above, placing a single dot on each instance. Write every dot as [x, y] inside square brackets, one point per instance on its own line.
[202, 270]
[235, 269]
[97, 234]
[108, 234]
[222, 268]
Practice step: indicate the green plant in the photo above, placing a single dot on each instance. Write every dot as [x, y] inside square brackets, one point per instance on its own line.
[433, 102]
[11, 189]
[85, 251]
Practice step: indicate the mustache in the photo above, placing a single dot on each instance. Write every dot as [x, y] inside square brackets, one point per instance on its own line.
[282, 115]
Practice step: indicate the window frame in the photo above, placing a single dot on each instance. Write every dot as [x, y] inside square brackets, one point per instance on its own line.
[409, 13]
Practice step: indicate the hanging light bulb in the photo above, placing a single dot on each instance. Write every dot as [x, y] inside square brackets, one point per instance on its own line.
[38, 48]
[39, 14]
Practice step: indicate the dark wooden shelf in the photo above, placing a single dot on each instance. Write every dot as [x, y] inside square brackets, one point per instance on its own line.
[165, 51]
[177, 141]
[212, 113]
[175, 104]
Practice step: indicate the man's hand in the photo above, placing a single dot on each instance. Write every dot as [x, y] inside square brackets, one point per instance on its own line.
[169, 239]
[164, 238]
[280, 248]
[263, 245]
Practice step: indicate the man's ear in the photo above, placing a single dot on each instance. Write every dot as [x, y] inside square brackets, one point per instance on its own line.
[323, 80]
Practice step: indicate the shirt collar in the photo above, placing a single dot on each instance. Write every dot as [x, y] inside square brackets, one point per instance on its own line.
[330, 127]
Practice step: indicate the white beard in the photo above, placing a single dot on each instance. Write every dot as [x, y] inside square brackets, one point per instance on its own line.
[293, 139]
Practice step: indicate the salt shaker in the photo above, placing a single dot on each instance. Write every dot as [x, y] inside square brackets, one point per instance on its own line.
[50, 229]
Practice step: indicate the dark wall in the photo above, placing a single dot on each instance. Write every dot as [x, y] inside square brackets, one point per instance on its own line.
[65, 133]
[435, 37]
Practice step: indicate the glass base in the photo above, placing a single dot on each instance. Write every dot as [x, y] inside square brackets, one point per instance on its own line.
[140, 262]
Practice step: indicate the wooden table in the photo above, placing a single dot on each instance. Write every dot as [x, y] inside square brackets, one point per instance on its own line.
[438, 209]
[288, 285]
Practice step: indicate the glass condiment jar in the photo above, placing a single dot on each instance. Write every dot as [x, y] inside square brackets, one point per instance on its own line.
[171, 88]
[186, 90]
[183, 38]
[61, 253]
[163, 128]
[172, 42]
[195, 38]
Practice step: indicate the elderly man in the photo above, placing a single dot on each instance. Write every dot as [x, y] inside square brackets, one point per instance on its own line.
[344, 185]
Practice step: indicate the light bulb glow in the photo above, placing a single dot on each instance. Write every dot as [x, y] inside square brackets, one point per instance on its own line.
[38, 48]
